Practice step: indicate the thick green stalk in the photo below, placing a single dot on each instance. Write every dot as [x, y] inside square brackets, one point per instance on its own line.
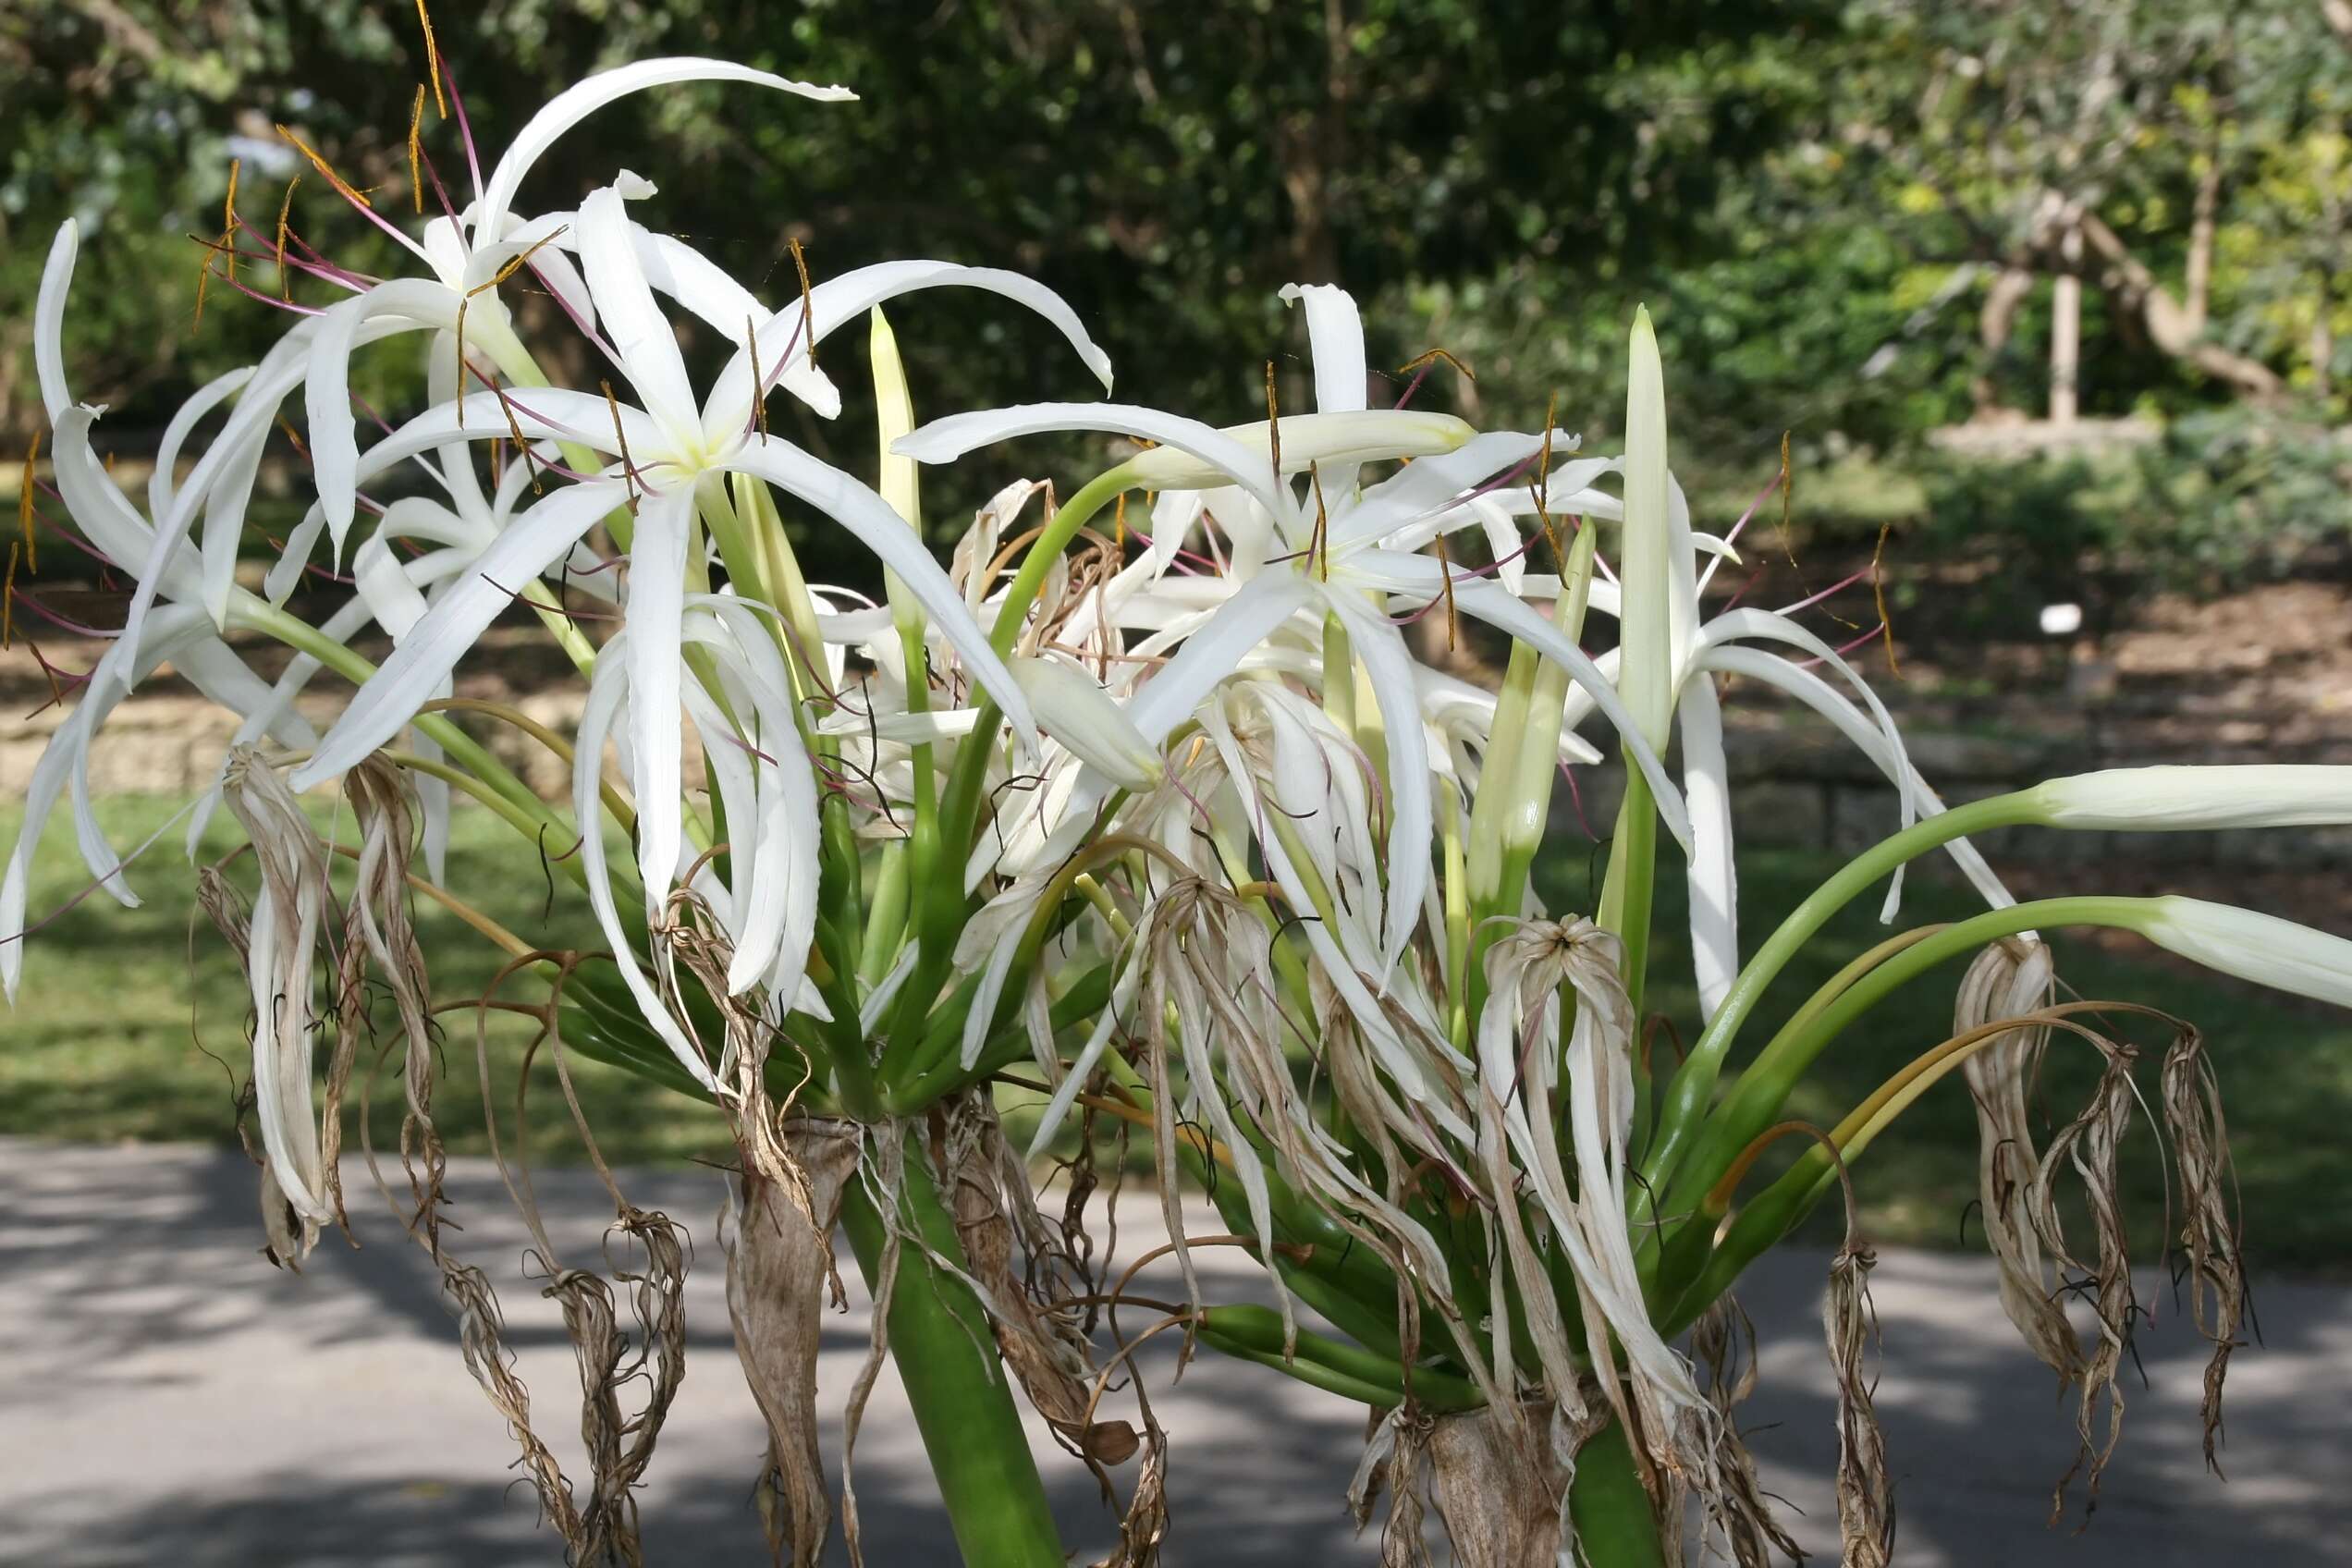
[1616, 1523]
[961, 1393]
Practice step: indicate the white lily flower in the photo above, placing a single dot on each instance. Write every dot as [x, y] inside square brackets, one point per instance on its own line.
[2163, 799]
[667, 452]
[1343, 569]
[2252, 946]
[467, 252]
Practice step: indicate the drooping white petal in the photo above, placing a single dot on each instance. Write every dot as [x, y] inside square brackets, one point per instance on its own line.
[1218, 458]
[1432, 483]
[1212, 653]
[656, 605]
[1788, 676]
[882, 531]
[326, 391]
[583, 98]
[1074, 710]
[1756, 625]
[840, 300]
[1412, 830]
[390, 698]
[1714, 891]
[162, 483]
[1490, 603]
[607, 688]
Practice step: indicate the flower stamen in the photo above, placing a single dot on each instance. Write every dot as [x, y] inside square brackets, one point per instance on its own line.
[286, 212]
[432, 66]
[628, 463]
[416, 149]
[24, 504]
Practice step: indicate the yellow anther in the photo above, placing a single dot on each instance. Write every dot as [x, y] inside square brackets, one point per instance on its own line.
[284, 212]
[1445, 570]
[228, 215]
[432, 60]
[343, 187]
[759, 395]
[24, 505]
[628, 464]
[1418, 360]
[808, 305]
[1274, 429]
[1877, 589]
[1318, 546]
[416, 149]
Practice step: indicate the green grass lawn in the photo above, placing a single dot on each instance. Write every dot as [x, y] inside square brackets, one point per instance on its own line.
[130, 1022]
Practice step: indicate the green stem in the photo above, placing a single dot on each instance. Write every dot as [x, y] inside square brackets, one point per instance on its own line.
[1684, 1104]
[1761, 1090]
[1616, 1523]
[960, 1393]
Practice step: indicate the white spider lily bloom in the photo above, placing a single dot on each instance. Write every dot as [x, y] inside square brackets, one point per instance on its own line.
[2162, 799]
[2252, 946]
[467, 252]
[667, 456]
[1348, 574]
[1076, 712]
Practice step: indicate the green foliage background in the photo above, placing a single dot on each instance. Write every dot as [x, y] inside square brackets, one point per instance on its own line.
[1814, 197]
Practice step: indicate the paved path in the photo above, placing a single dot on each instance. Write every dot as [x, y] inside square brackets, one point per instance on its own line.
[171, 1400]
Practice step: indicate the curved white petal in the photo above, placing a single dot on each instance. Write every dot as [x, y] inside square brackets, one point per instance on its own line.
[1227, 459]
[1713, 880]
[1504, 613]
[840, 300]
[1756, 625]
[1335, 337]
[1433, 482]
[583, 98]
[205, 398]
[656, 605]
[607, 687]
[326, 391]
[390, 698]
[882, 531]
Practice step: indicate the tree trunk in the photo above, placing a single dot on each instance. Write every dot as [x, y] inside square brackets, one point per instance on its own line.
[2133, 291]
[2201, 225]
[2065, 335]
[1995, 322]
